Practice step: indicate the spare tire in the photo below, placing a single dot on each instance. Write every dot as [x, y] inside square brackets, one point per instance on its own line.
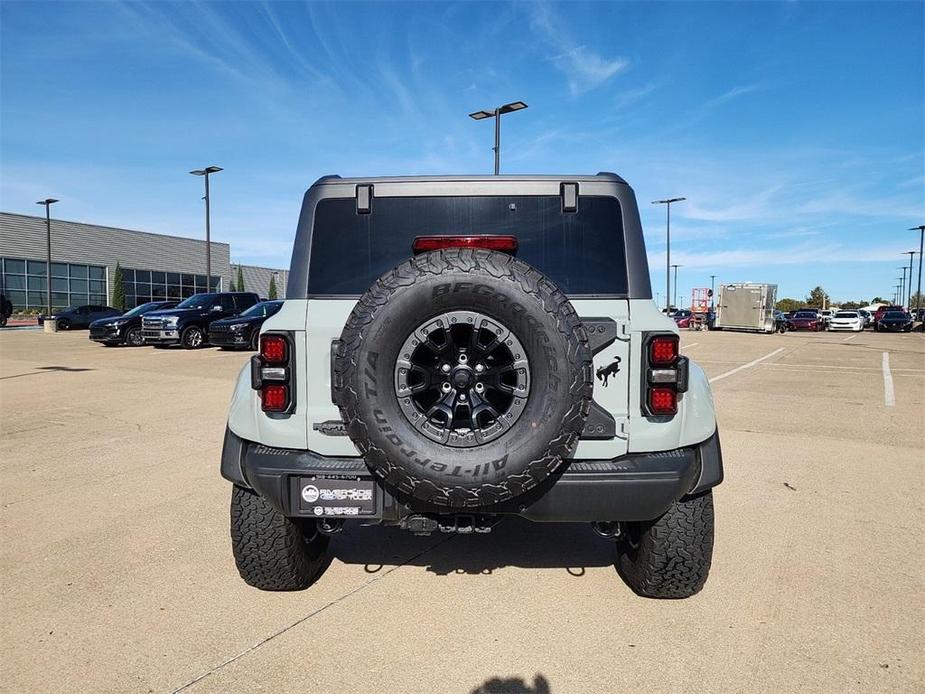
[464, 378]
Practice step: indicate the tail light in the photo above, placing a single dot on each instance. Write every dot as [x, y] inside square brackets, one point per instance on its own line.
[666, 374]
[505, 244]
[273, 348]
[274, 398]
[663, 350]
[663, 400]
[272, 372]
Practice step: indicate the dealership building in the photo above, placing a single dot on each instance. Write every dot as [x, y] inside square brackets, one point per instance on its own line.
[84, 257]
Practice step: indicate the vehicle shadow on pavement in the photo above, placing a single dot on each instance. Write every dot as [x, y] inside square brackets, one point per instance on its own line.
[513, 685]
[513, 542]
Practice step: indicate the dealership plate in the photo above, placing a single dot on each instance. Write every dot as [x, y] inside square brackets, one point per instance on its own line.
[339, 496]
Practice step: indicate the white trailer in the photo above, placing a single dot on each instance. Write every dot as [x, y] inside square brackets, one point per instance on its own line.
[746, 306]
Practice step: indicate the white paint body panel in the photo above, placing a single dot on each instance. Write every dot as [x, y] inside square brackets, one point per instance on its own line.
[245, 417]
[315, 323]
[696, 418]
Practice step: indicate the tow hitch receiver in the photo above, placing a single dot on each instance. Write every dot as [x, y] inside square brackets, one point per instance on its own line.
[462, 524]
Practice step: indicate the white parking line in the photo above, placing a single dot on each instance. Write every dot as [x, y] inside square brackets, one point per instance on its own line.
[889, 397]
[692, 344]
[747, 366]
[851, 337]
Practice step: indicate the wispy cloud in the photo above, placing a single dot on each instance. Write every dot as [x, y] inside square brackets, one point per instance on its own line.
[733, 93]
[584, 68]
[629, 97]
[808, 253]
[755, 205]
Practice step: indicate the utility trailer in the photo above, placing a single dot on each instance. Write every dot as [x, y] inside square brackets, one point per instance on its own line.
[746, 306]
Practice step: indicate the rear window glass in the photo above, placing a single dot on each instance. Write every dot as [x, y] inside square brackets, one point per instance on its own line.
[583, 252]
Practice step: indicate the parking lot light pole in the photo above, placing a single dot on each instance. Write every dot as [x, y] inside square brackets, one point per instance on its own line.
[911, 255]
[496, 113]
[712, 290]
[667, 203]
[48, 202]
[918, 299]
[675, 299]
[902, 286]
[205, 172]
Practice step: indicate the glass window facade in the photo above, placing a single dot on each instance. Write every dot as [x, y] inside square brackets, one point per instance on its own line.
[72, 284]
[141, 286]
[24, 282]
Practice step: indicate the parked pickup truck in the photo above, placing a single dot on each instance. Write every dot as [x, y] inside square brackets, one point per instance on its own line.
[188, 323]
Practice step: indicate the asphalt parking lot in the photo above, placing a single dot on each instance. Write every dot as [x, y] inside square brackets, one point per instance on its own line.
[118, 576]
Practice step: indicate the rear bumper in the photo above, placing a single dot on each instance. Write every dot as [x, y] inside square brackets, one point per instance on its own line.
[633, 487]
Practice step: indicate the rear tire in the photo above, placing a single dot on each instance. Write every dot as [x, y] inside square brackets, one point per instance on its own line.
[273, 552]
[669, 557]
[63, 324]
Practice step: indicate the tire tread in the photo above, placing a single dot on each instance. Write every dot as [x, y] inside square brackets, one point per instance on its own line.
[270, 550]
[530, 281]
[673, 556]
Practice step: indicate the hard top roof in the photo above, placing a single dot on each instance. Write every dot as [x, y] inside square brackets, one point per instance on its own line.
[602, 176]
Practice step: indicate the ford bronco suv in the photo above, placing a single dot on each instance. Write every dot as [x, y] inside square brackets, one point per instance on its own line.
[188, 323]
[456, 349]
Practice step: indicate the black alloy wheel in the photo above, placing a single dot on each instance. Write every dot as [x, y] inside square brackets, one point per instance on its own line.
[462, 378]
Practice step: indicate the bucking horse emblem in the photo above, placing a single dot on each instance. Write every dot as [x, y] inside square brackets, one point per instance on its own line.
[606, 372]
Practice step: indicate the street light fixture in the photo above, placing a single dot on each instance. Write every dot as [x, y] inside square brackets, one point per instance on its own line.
[675, 300]
[47, 202]
[918, 299]
[667, 202]
[497, 113]
[205, 172]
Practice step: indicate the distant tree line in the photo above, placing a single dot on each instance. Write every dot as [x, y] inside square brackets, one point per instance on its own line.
[819, 298]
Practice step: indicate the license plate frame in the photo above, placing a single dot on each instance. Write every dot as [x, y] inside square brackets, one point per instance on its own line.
[336, 496]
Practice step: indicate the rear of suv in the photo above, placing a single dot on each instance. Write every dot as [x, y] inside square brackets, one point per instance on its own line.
[188, 323]
[454, 350]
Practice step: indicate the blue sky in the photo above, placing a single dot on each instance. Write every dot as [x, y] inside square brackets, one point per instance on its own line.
[796, 130]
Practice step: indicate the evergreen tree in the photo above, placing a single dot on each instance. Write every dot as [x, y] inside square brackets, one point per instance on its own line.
[231, 286]
[240, 283]
[118, 289]
[817, 298]
[271, 292]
